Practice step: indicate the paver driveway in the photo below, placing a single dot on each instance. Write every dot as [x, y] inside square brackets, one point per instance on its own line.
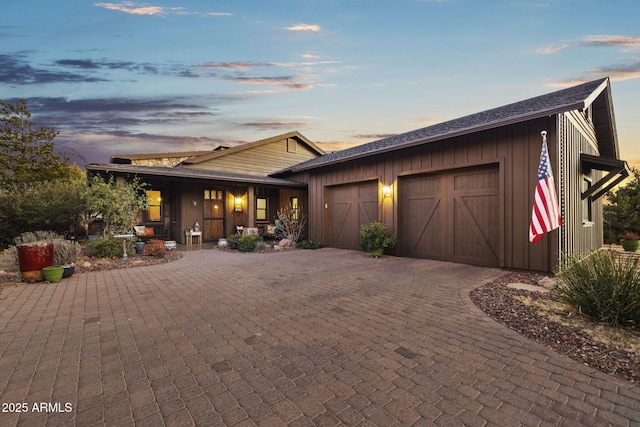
[325, 337]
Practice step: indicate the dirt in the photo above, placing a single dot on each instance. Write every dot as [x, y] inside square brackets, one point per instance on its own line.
[542, 317]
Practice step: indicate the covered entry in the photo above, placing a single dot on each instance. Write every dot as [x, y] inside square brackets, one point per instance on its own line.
[452, 216]
[349, 207]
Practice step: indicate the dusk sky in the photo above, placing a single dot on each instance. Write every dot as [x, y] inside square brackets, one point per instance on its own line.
[133, 77]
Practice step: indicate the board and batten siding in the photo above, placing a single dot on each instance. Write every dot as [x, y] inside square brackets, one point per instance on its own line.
[577, 135]
[261, 160]
[514, 148]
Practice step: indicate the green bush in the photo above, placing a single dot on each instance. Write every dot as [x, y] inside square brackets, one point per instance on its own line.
[602, 285]
[107, 247]
[244, 243]
[309, 244]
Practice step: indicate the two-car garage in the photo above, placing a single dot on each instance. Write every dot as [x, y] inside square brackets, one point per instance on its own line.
[452, 215]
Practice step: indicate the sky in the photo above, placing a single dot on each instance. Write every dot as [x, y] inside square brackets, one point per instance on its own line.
[161, 76]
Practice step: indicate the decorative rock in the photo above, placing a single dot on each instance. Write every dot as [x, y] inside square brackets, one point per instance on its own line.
[528, 287]
[86, 264]
[547, 282]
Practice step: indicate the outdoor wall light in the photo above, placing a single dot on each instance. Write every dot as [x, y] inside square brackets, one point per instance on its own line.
[386, 191]
[238, 204]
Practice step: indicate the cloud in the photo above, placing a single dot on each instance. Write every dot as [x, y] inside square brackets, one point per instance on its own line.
[16, 70]
[275, 124]
[132, 8]
[304, 27]
[285, 81]
[149, 10]
[593, 41]
[237, 64]
[615, 73]
[374, 136]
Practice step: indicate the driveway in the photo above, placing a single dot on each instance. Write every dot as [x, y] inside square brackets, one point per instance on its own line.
[326, 337]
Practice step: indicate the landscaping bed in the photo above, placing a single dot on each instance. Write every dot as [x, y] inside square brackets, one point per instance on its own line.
[543, 318]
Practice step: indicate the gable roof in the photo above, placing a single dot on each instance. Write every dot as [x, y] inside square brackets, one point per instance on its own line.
[576, 97]
[121, 158]
[252, 145]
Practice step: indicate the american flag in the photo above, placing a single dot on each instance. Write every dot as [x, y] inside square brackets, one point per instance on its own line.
[546, 212]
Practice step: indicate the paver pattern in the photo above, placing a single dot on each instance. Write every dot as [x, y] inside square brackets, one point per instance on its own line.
[327, 338]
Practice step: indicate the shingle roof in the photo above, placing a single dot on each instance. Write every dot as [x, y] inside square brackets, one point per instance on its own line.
[179, 172]
[552, 103]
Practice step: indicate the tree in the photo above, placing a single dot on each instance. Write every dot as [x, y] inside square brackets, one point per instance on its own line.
[117, 205]
[26, 151]
[56, 205]
[622, 214]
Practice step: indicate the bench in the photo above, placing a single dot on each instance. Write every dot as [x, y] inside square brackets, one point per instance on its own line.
[149, 232]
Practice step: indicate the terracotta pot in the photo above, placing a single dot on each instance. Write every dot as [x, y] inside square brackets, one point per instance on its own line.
[32, 259]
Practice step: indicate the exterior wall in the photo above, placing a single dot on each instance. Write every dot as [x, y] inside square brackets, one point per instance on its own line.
[577, 135]
[261, 160]
[516, 148]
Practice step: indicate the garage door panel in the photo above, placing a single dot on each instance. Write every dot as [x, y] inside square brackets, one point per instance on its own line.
[476, 230]
[465, 226]
[351, 206]
[423, 237]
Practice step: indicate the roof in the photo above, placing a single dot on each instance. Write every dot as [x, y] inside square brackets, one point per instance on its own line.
[251, 145]
[576, 97]
[171, 154]
[199, 174]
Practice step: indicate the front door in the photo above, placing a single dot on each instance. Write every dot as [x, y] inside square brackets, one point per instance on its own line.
[214, 215]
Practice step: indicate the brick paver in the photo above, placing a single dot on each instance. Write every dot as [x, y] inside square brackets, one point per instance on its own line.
[327, 338]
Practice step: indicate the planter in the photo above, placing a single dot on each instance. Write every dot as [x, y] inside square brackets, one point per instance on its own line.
[53, 273]
[377, 253]
[630, 245]
[32, 259]
[68, 271]
[170, 245]
[140, 248]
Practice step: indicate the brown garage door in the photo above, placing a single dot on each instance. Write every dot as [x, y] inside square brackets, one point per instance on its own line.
[452, 216]
[351, 206]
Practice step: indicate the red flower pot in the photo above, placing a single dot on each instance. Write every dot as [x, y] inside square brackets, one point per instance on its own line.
[32, 259]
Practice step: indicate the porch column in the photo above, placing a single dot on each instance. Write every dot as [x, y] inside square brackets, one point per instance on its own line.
[251, 206]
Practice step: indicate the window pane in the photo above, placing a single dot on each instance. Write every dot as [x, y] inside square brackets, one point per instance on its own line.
[154, 205]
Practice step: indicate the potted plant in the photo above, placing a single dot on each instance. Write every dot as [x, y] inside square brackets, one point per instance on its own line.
[374, 239]
[139, 247]
[34, 251]
[66, 253]
[630, 241]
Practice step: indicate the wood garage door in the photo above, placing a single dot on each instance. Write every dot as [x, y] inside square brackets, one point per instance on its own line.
[452, 216]
[350, 206]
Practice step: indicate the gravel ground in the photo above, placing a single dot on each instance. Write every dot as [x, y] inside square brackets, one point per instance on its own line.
[570, 334]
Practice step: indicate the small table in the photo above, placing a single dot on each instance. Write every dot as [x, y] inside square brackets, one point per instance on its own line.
[124, 238]
[189, 235]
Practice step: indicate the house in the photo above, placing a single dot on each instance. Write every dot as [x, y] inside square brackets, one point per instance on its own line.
[459, 191]
[463, 190]
[219, 189]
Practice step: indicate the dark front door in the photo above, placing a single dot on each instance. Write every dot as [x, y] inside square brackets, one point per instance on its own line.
[214, 215]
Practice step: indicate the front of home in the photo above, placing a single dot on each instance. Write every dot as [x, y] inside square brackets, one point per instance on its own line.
[459, 191]
[220, 190]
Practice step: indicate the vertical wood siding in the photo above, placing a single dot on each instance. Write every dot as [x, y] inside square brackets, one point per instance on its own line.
[516, 148]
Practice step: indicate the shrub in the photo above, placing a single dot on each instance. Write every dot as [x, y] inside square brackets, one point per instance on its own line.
[106, 247]
[374, 236]
[293, 222]
[244, 243]
[602, 285]
[309, 244]
[65, 252]
[155, 248]
[260, 246]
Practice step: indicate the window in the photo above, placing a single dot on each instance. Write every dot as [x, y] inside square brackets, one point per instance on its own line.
[261, 209]
[154, 206]
[292, 145]
[587, 211]
[294, 207]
